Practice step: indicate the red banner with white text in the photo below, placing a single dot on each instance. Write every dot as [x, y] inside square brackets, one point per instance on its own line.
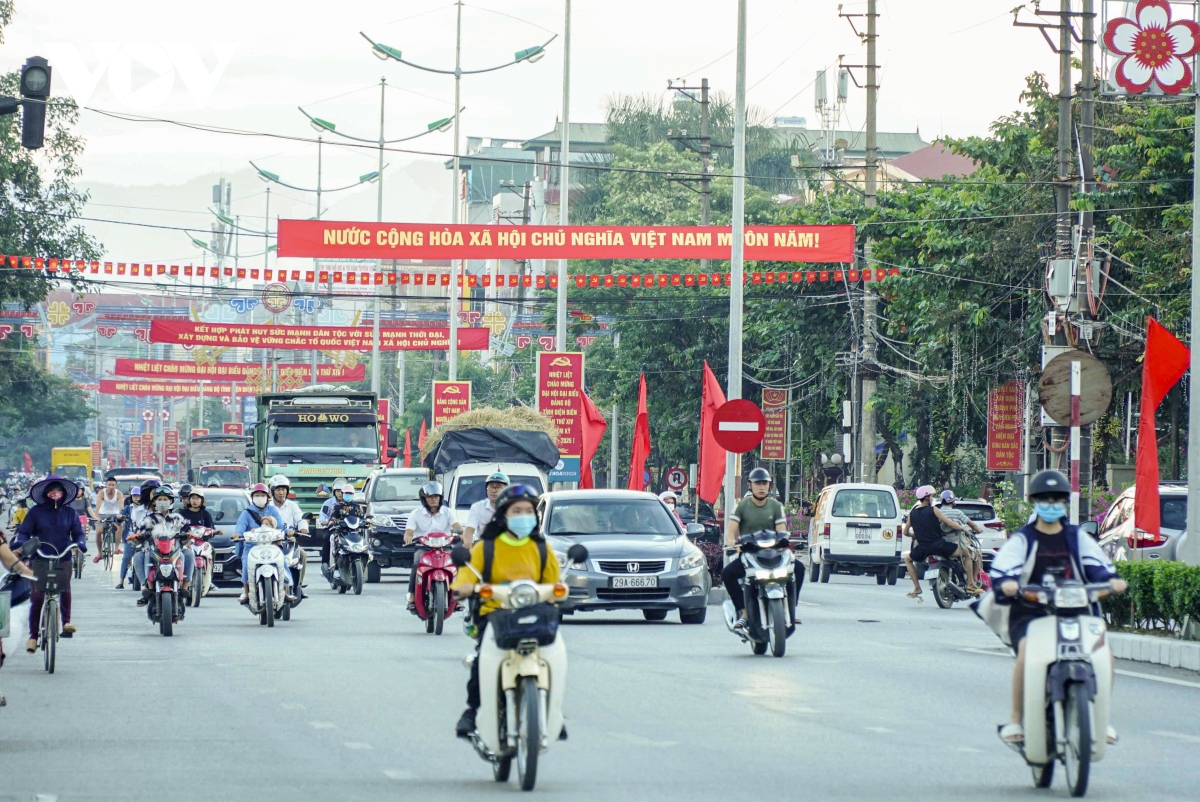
[450, 399]
[143, 387]
[230, 371]
[1006, 417]
[305, 338]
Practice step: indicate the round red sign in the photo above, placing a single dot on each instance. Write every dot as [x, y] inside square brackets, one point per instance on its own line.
[739, 426]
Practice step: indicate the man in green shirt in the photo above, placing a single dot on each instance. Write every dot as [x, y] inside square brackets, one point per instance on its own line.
[752, 514]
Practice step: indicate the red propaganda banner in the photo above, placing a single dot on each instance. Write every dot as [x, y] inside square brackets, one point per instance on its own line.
[305, 338]
[233, 428]
[135, 449]
[141, 387]
[774, 407]
[450, 399]
[168, 369]
[559, 386]
[148, 449]
[199, 432]
[331, 239]
[1006, 416]
[385, 413]
[171, 446]
[97, 453]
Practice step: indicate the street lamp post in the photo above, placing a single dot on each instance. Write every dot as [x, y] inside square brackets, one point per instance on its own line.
[564, 179]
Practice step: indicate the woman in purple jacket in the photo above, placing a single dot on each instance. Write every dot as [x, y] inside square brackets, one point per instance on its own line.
[53, 522]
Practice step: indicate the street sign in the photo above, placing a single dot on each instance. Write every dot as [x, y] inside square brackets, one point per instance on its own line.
[1054, 388]
[739, 426]
[677, 479]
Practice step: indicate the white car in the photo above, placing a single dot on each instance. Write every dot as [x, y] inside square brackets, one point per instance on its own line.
[856, 529]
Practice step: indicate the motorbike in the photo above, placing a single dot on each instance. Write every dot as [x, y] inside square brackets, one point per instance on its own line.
[164, 574]
[264, 575]
[203, 575]
[769, 601]
[435, 573]
[948, 580]
[349, 555]
[297, 565]
[523, 671]
[1068, 683]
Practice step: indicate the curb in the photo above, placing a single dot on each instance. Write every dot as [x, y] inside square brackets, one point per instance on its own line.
[1159, 651]
[717, 596]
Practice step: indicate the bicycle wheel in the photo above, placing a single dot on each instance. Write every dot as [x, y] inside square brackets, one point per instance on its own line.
[50, 629]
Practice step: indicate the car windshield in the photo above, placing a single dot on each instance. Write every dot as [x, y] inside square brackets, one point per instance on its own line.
[341, 442]
[397, 487]
[1174, 513]
[858, 503]
[238, 477]
[474, 488]
[977, 512]
[73, 472]
[610, 516]
[231, 505]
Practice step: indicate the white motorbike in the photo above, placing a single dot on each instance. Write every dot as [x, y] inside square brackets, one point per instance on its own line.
[1068, 683]
[522, 671]
[264, 571]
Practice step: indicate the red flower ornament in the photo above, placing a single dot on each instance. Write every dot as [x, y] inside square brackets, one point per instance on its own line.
[1153, 49]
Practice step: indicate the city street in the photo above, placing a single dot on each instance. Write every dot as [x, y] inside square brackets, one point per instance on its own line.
[877, 698]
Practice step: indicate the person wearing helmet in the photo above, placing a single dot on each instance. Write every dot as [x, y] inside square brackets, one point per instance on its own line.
[925, 523]
[339, 487]
[56, 525]
[193, 510]
[482, 511]
[333, 510]
[158, 520]
[260, 513]
[671, 501]
[432, 516]
[755, 513]
[973, 560]
[509, 548]
[1048, 545]
[291, 517]
[131, 515]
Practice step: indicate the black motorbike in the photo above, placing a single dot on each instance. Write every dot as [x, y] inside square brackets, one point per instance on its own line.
[349, 554]
[769, 592]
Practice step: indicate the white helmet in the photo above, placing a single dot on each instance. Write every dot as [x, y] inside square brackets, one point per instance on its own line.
[339, 486]
[279, 480]
[667, 494]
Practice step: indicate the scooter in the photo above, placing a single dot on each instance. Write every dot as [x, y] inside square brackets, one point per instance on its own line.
[769, 601]
[264, 571]
[1068, 683]
[164, 574]
[523, 672]
[297, 565]
[435, 573]
[349, 555]
[203, 575]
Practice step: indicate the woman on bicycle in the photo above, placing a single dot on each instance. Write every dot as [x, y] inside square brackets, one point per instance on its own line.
[53, 522]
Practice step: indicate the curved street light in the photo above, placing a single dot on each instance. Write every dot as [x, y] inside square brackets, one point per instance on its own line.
[267, 175]
[326, 126]
[386, 53]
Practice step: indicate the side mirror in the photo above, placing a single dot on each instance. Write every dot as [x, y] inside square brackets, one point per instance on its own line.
[577, 553]
[1091, 527]
[218, 516]
[309, 516]
[30, 546]
[460, 555]
[391, 438]
[694, 531]
[393, 452]
[250, 451]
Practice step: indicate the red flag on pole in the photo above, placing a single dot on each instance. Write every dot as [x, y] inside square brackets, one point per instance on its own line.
[28, 463]
[421, 436]
[712, 456]
[641, 441]
[593, 429]
[1165, 362]
[408, 448]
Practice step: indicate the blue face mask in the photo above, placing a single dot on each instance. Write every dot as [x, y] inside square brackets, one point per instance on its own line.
[521, 525]
[1050, 511]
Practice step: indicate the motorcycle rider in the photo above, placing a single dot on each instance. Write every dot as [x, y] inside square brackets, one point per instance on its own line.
[754, 513]
[669, 498]
[925, 525]
[1048, 545]
[972, 563]
[432, 517]
[327, 508]
[54, 523]
[131, 515]
[344, 504]
[515, 549]
[157, 521]
[259, 513]
[291, 517]
[482, 511]
[110, 501]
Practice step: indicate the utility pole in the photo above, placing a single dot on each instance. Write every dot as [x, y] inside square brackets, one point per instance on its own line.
[702, 145]
[455, 264]
[614, 455]
[564, 181]
[376, 355]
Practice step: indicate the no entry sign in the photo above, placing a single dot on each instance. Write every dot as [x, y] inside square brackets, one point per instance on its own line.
[739, 426]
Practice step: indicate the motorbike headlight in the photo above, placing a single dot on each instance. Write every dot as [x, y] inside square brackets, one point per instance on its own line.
[1070, 598]
[693, 559]
[376, 542]
[780, 573]
[762, 574]
[356, 547]
[523, 596]
[166, 569]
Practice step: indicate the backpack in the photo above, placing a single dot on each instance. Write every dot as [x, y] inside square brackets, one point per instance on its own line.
[489, 554]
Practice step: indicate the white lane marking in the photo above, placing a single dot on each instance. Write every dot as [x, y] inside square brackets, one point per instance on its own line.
[880, 730]
[637, 740]
[737, 426]
[398, 774]
[1123, 672]
[1178, 736]
[967, 749]
[292, 706]
[45, 798]
[322, 725]
[356, 745]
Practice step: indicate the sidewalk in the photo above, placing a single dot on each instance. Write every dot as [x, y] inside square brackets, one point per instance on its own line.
[1157, 650]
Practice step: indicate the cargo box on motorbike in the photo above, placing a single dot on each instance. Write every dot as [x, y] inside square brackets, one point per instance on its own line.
[538, 622]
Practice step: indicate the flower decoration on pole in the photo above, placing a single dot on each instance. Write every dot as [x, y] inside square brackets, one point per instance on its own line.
[1152, 49]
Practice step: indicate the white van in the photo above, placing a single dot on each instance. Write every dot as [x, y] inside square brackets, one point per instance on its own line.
[467, 483]
[856, 529]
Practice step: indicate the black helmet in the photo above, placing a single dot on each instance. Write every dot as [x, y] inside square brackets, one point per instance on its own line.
[759, 475]
[430, 489]
[514, 493]
[185, 490]
[1049, 483]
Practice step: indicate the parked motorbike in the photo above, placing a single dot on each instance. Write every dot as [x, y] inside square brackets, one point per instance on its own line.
[523, 672]
[769, 588]
[1068, 683]
[264, 572]
[164, 574]
[349, 555]
[435, 573]
[203, 575]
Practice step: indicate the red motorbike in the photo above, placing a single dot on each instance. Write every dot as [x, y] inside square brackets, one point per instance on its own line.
[435, 573]
[164, 575]
[203, 575]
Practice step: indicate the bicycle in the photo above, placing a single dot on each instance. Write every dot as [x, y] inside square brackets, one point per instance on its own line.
[108, 541]
[47, 583]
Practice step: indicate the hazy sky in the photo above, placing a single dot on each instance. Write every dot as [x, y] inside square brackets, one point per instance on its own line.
[948, 66]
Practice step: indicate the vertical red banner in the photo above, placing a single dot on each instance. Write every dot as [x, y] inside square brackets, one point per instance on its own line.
[385, 415]
[135, 449]
[171, 446]
[774, 407]
[559, 386]
[148, 450]
[450, 399]
[1006, 417]
[97, 453]
[228, 428]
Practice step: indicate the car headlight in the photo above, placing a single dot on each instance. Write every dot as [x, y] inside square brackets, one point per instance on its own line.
[566, 565]
[376, 542]
[380, 520]
[693, 559]
[523, 595]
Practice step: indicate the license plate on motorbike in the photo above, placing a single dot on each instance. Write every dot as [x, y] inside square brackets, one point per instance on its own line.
[635, 581]
[931, 573]
[218, 568]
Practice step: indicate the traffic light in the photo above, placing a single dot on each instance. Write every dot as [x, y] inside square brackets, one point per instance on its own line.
[35, 88]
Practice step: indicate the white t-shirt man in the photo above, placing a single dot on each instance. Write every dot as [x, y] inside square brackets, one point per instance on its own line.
[480, 515]
[422, 523]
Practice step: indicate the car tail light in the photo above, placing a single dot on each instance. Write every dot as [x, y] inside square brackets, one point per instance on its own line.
[999, 525]
[1141, 539]
[826, 532]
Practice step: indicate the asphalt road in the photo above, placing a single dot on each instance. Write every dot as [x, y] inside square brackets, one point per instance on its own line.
[877, 698]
